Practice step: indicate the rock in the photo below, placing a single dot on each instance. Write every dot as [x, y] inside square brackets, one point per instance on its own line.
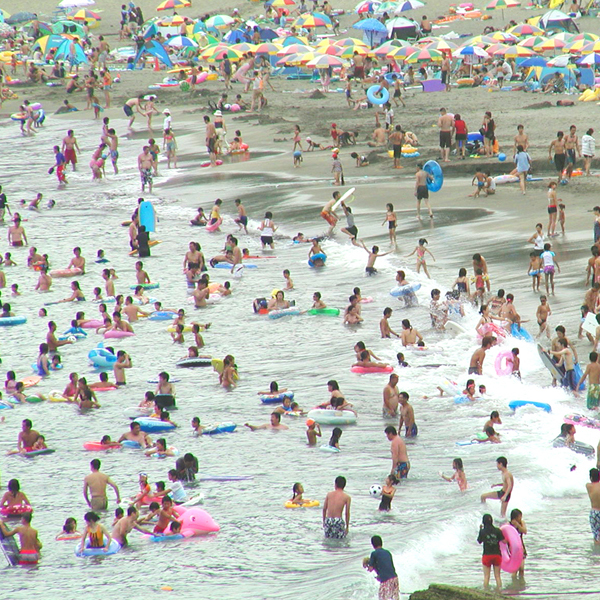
[317, 95]
[539, 105]
[451, 592]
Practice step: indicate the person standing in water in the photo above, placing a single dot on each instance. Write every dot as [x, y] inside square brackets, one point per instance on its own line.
[400, 462]
[507, 485]
[421, 190]
[382, 562]
[96, 483]
[337, 503]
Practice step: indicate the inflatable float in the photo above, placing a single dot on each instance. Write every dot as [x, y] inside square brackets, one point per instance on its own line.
[514, 404]
[325, 416]
[365, 370]
[577, 447]
[403, 290]
[433, 168]
[276, 398]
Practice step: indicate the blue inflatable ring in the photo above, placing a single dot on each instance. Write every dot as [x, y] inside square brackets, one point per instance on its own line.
[373, 99]
[314, 257]
[435, 184]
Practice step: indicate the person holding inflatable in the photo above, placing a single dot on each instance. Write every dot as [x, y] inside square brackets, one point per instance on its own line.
[490, 537]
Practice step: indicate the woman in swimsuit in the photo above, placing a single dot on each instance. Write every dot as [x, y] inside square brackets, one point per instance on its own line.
[462, 283]
[76, 296]
[96, 533]
[537, 239]
[278, 303]
[420, 250]
[552, 211]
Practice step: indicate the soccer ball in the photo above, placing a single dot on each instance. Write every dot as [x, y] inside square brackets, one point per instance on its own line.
[375, 491]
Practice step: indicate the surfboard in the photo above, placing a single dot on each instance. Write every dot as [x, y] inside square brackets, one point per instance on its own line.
[551, 366]
[454, 327]
[147, 216]
[590, 324]
[347, 197]
[150, 244]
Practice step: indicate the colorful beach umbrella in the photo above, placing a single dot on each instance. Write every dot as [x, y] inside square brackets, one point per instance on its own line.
[402, 52]
[575, 46]
[441, 45]
[350, 42]
[589, 60]
[518, 52]
[324, 61]
[531, 42]
[308, 21]
[294, 49]
[267, 48]
[588, 37]
[497, 49]
[223, 53]
[551, 44]
[424, 56]
[525, 29]
[502, 4]
[534, 61]
[504, 37]
[282, 3]
[591, 47]
[174, 21]
[173, 4]
[219, 21]
[47, 42]
[367, 7]
[382, 51]
[470, 51]
[84, 15]
[181, 41]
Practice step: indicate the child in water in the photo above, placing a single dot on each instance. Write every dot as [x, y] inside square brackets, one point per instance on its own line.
[516, 520]
[97, 533]
[534, 270]
[289, 284]
[313, 432]
[421, 251]
[387, 493]
[458, 475]
[334, 441]
[297, 491]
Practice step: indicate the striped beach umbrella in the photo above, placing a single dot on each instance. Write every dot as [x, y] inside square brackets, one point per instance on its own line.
[551, 44]
[525, 29]
[588, 37]
[518, 52]
[223, 53]
[366, 7]
[84, 15]
[381, 51]
[441, 45]
[405, 5]
[294, 49]
[402, 52]
[497, 49]
[350, 42]
[173, 4]
[174, 21]
[267, 48]
[219, 21]
[424, 56]
[591, 47]
[324, 60]
[282, 3]
[181, 41]
[531, 42]
[308, 21]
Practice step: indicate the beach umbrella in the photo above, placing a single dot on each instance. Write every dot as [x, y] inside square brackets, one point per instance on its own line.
[224, 53]
[503, 37]
[21, 17]
[173, 4]
[402, 52]
[575, 46]
[588, 37]
[591, 47]
[497, 49]
[565, 36]
[559, 61]
[589, 59]
[350, 42]
[219, 22]
[382, 50]
[37, 29]
[181, 41]
[518, 52]
[290, 59]
[294, 49]
[174, 21]
[501, 5]
[267, 48]
[470, 51]
[424, 56]
[405, 5]
[531, 42]
[324, 60]
[292, 39]
[367, 6]
[331, 50]
[84, 15]
[441, 45]
[387, 7]
[244, 47]
[551, 44]
[3, 14]
[348, 51]
[370, 27]
[534, 61]
[308, 21]
[74, 3]
[282, 3]
[525, 29]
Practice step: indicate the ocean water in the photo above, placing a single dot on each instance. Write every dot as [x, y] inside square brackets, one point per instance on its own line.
[264, 550]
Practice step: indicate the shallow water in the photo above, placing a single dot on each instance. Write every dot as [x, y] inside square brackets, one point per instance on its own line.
[263, 550]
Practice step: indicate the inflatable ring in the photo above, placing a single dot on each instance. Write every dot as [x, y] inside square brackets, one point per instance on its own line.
[210, 228]
[434, 169]
[324, 416]
[305, 504]
[511, 549]
[465, 82]
[505, 357]
[364, 370]
[405, 290]
[275, 398]
[373, 99]
[315, 257]
[19, 116]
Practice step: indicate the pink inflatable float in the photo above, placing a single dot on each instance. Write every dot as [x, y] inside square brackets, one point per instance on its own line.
[116, 333]
[364, 370]
[512, 549]
[195, 521]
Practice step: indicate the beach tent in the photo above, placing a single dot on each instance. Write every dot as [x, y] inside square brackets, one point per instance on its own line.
[71, 51]
[544, 74]
[236, 35]
[402, 28]
[374, 31]
[153, 48]
[555, 20]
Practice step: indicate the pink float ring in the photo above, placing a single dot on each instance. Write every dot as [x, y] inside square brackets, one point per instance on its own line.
[364, 370]
[116, 333]
[511, 549]
[502, 365]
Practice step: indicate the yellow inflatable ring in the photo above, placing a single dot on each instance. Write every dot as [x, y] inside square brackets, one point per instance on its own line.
[186, 329]
[305, 504]
[57, 396]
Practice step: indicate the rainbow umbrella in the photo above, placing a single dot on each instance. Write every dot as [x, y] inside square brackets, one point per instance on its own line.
[575, 46]
[282, 3]
[331, 50]
[591, 47]
[308, 21]
[551, 44]
[174, 21]
[497, 49]
[47, 42]
[181, 41]
[173, 4]
[267, 48]
[501, 5]
[441, 45]
[366, 7]
[382, 51]
[223, 53]
[518, 52]
[324, 60]
[348, 51]
[525, 29]
[470, 51]
[350, 42]
[84, 15]
[291, 39]
[424, 56]
[244, 47]
[402, 52]
[290, 59]
[532, 41]
[588, 37]
[219, 22]
[503, 37]
[294, 49]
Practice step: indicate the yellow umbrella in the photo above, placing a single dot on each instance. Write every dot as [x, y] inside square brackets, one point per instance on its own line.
[518, 52]
[268, 48]
[282, 3]
[350, 42]
[402, 52]
[348, 51]
[244, 47]
[591, 48]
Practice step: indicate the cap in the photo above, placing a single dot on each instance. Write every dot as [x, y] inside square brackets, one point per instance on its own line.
[309, 422]
[144, 475]
[166, 111]
[218, 113]
[308, 139]
[333, 125]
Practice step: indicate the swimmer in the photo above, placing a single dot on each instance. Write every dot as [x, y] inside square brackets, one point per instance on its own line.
[69, 530]
[318, 303]
[289, 284]
[507, 486]
[313, 431]
[387, 493]
[458, 475]
[390, 397]
[407, 416]
[98, 535]
[373, 256]
[477, 358]
[493, 420]
[242, 218]
[409, 336]
[384, 325]
[274, 424]
[160, 449]
[420, 251]
[316, 249]
[366, 362]
[329, 215]
[334, 441]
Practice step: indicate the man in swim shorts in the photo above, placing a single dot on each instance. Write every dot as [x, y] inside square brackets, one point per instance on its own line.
[29, 553]
[242, 219]
[69, 146]
[396, 138]
[592, 371]
[421, 189]
[445, 125]
[400, 462]
[593, 490]
[336, 503]
[130, 105]
[507, 484]
[407, 416]
[329, 215]
[96, 483]
[145, 162]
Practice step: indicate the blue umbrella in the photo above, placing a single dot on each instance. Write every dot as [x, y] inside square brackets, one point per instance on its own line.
[267, 34]
[370, 26]
[589, 59]
[533, 61]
